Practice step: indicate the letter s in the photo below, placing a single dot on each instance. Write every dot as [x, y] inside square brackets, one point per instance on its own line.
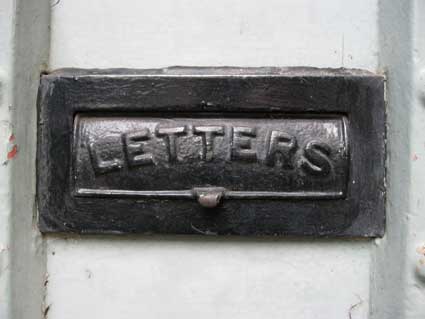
[316, 158]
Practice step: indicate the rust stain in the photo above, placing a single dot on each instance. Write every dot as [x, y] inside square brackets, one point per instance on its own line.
[12, 147]
[12, 153]
[415, 157]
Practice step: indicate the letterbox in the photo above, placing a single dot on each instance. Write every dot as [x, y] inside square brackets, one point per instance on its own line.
[213, 151]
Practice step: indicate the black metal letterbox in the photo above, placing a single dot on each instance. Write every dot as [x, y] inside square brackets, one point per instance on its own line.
[253, 151]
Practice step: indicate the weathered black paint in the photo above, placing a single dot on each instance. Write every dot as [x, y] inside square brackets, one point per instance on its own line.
[263, 151]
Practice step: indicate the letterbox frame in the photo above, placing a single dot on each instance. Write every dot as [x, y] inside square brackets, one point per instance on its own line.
[355, 94]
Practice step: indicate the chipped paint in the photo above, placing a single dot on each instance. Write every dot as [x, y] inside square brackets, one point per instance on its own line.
[331, 129]
[12, 153]
[12, 149]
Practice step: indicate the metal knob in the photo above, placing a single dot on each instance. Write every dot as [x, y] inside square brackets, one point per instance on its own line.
[209, 197]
